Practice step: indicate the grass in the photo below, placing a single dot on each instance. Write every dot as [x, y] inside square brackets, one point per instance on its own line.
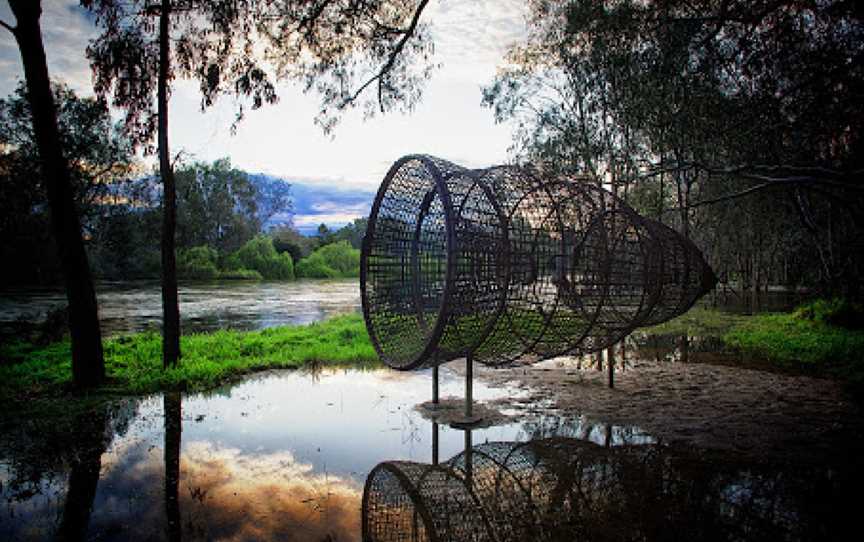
[133, 363]
[698, 321]
[792, 341]
[796, 341]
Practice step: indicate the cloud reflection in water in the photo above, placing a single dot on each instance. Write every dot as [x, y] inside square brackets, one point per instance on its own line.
[225, 494]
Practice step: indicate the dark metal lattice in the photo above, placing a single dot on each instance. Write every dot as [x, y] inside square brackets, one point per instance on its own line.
[566, 489]
[511, 267]
[501, 491]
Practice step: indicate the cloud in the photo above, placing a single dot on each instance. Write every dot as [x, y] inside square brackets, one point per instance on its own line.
[304, 222]
[471, 37]
[476, 32]
[66, 30]
[226, 494]
[329, 207]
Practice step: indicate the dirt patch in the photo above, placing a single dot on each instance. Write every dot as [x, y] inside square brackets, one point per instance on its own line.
[451, 410]
[709, 406]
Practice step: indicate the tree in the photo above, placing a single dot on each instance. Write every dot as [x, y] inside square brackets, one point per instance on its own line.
[324, 235]
[715, 99]
[327, 44]
[99, 156]
[288, 239]
[353, 232]
[273, 200]
[260, 255]
[217, 206]
[99, 161]
[336, 260]
[88, 365]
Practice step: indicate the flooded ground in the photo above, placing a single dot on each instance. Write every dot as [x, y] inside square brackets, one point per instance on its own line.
[280, 453]
[289, 456]
[126, 307]
[688, 445]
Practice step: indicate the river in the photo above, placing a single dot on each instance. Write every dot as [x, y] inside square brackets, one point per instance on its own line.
[126, 307]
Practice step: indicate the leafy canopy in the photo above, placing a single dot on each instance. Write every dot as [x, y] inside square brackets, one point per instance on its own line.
[240, 48]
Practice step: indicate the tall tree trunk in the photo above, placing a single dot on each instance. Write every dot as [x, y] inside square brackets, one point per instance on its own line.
[170, 304]
[88, 365]
[172, 406]
[84, 476]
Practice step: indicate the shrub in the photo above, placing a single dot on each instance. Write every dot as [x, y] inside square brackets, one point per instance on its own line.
[258, 254]
[197, 263]
[331, 261]
[287, 239]
[240, 274]
[315, 267]
[833, 312]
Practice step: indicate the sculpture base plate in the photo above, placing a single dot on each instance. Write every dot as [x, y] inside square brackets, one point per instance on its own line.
[451, 411]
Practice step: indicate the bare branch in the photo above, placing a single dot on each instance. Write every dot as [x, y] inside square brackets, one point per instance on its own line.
[725, 197]
[769, 183]
[391, 60]
[7, 26]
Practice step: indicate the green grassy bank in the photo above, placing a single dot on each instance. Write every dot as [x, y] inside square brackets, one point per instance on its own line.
[134, 363]
[809, 340]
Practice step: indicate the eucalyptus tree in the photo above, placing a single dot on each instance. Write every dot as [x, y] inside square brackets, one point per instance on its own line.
[98, 156]
[747, 97]
[341, 49]
[88, 365]
[217, 206]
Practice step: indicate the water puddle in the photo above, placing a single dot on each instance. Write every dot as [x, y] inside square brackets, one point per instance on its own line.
[288, 456]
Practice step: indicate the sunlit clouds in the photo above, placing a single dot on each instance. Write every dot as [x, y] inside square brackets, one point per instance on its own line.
[471, 36]
[225, 494]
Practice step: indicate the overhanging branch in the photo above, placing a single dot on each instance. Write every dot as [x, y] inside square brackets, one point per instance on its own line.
[391, 60]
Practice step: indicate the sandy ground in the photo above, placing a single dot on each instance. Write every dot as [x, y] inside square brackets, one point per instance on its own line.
[745, 411]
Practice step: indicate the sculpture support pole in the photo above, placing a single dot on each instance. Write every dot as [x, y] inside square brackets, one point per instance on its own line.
[610, 354]
[435, 385]
[434, 443]
[469, 461]
[469, 385]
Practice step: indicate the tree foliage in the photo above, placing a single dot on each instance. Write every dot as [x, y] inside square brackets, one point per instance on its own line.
[99, 156]
[197, 263]
[258, 254]
[340, 49]
[217, 206]
[336, 260]
[288, 239]
[100, 161]
[353, 232]
[709, 101]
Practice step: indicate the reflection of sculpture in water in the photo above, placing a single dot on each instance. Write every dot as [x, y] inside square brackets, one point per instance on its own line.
[567, 489]
[506, 266]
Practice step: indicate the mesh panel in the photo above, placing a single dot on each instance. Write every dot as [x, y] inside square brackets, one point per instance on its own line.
[512, 267]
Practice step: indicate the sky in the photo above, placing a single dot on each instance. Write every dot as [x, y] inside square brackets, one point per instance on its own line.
[471, 37]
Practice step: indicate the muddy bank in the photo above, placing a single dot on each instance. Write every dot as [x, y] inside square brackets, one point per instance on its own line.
[715, 407]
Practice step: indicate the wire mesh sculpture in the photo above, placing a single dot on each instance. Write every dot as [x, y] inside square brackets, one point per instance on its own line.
[499, 491]
[509, 267]
[567, 489]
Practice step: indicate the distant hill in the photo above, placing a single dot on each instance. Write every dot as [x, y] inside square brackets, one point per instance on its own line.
[315, 203]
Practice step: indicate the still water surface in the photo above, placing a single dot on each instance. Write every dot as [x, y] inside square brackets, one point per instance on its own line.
[287, 455]
[204, 306]
[282, 452]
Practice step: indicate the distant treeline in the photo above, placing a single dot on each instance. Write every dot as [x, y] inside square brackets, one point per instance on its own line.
[222, 212]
